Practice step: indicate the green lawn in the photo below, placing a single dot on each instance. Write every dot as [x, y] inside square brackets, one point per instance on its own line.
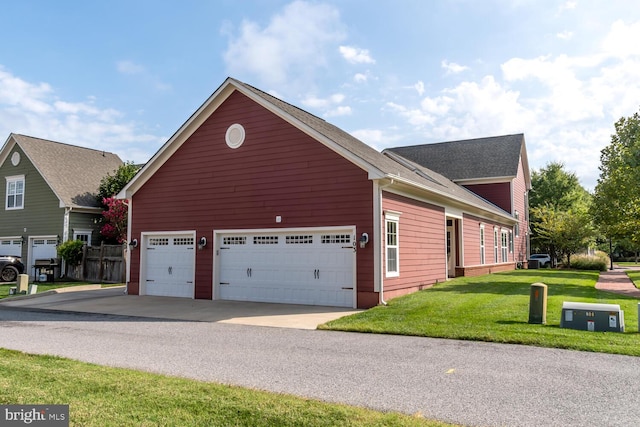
[496, 308]
[43, 287]
[104, 397]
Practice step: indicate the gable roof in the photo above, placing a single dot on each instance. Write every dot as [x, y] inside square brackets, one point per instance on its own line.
[378, 165]
[495, 157]
[73, 173]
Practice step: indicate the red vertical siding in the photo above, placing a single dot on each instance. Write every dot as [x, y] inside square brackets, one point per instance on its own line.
[279, 170]
[422, 245]
[520, 204]
[497, 193]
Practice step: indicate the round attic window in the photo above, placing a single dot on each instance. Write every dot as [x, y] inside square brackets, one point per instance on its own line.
[15, 158]
[235, 136]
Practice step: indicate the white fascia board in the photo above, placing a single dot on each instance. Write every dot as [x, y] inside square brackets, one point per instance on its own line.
[490, 180]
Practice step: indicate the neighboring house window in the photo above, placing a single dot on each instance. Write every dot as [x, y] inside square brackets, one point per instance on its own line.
[83, 235]
[495, 245]
[510, 242]
[516, 228]
[505, 245]
[393, 252]
[482, 244]
[15, 192]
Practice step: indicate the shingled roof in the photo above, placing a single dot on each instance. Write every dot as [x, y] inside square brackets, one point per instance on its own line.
[378, 165]
[470, 159]
[426, 177]
[72, 172]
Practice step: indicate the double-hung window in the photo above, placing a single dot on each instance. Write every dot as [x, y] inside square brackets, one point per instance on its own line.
[15, 192]
[505, 245]
[392, 243]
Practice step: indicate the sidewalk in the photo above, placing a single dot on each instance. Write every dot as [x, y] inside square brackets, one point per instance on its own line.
[617, 281]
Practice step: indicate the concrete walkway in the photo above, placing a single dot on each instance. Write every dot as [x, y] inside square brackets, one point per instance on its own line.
[617, 281]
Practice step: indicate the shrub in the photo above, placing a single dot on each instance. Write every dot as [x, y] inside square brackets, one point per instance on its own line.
[71, 251]
[599, 261]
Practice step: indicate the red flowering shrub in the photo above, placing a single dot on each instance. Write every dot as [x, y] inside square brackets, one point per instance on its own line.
[115, 219]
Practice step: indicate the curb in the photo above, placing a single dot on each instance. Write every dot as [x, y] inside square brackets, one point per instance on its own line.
[56, 291]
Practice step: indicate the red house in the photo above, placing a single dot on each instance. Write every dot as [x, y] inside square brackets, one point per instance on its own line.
[254, 199]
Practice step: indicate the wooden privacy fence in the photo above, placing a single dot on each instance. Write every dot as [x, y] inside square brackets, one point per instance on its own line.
[101, 264]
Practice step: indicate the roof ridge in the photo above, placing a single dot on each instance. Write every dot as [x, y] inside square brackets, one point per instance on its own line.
[62, 143]
[460, 140]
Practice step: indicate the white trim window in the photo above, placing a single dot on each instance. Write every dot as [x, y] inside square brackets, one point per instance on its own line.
[495, 246]
[15, 192]
[82, 235]
[505, 245]
[391, 223]
[482, 260]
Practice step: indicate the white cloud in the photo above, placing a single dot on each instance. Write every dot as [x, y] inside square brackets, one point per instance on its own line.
[569, 5]
[565, 105]
[330, 106]
[34, 109]
[354, 55]
[129, 67]
[343, 110]
[292, 46]
[452, 67]
[622, 40]
[419, 87]
[360, 78]
[565, 35]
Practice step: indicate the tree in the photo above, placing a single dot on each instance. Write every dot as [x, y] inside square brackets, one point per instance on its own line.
[114, 227]
[111, 185]
[558, 204]
[563, 232]
[553, 185]
[616, 207]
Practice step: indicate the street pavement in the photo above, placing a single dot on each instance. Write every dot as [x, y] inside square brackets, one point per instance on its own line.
[468, 383]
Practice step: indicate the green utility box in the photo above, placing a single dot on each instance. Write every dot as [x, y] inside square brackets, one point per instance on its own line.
[592, 317]
[538, 304]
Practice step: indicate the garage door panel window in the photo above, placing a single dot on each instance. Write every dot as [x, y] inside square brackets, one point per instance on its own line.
[159, 241]
[299, 240]
[234, 240]
[336, 238]
[265, 240]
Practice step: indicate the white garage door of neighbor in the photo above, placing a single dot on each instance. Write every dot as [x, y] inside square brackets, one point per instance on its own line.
[300, 267]
[41, 248]
[11, 247]
[169, 265]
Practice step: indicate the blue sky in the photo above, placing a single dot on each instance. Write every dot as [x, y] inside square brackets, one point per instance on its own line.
[123, 76]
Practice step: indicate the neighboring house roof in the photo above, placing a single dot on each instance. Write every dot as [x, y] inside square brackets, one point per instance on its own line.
[378, 165]
[495, 157]
[73, 173]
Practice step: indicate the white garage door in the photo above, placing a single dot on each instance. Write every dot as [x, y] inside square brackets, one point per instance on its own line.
[301, 267]
[10, 246]
[169, 265]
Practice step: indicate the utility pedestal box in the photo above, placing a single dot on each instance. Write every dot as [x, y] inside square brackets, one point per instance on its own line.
[592, 317]
[538, 304]
[23, 283]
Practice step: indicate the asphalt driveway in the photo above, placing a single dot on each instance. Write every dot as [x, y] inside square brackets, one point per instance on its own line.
[469, 383]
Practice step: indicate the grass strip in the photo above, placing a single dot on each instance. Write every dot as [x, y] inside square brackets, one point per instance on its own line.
[495, 308]
[113, 397]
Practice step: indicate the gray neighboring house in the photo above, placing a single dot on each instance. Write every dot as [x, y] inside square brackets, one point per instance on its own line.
[49, 195]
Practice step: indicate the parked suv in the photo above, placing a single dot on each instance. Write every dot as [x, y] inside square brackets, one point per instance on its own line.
[544, 260]
[10, 267]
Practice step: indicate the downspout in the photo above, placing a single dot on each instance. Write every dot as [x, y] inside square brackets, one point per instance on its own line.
[378, 241]
[127, 247]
